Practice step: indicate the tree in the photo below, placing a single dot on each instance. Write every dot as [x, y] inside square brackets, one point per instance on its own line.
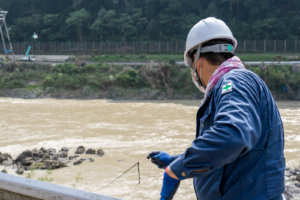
[149, 19]
[25, 27]
[78, 19]
[105, 24]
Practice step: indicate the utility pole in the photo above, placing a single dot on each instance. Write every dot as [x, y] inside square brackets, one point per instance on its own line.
[5, 36]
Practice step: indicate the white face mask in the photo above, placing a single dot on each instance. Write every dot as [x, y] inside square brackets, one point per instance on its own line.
[196, 79]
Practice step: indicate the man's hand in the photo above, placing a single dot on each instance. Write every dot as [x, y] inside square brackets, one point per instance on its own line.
[160, 158]
[169, 187]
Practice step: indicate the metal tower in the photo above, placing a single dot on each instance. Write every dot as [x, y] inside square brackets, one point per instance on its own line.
[5, 36]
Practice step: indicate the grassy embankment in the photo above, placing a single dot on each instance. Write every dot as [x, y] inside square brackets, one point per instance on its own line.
[102, 80]
[179, 57]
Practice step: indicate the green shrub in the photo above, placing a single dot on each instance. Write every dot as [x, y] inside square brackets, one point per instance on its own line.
[278, 76]
[98, 81]
[66, 68]
[130, 78]
[127, 78]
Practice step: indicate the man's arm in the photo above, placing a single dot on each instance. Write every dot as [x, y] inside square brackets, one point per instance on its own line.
[235, 131]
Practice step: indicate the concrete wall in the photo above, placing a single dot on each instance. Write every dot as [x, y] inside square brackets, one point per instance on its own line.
[7, 195]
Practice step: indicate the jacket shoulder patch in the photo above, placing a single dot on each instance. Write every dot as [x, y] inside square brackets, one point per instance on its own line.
[227, 88]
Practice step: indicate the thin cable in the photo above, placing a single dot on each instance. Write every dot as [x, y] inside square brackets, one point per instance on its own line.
[138, 166]
[139, 174]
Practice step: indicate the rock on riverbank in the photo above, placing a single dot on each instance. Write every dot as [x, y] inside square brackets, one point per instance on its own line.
[292, 183]
[47, 158]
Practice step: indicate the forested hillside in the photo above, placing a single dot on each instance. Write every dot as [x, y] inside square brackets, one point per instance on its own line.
[84, 20]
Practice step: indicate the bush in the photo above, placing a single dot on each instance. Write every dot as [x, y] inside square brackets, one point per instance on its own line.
[98, 80]
[60, 80]
[66, 68]
[279, 77]
[130, 78]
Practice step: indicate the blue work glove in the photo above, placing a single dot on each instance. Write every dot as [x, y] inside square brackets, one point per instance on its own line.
[160, 158]
[169, 187]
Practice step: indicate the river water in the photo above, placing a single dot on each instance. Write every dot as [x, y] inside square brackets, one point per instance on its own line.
[126, 131]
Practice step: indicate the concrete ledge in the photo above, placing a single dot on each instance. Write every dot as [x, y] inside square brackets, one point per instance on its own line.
[7, 195]
[19, 188]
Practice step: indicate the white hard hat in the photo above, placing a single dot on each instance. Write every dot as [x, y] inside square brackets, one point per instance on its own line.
[205, 30]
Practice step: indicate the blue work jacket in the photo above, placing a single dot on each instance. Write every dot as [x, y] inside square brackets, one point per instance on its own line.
[238, 150]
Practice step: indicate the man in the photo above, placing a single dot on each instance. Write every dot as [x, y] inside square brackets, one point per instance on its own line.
[238, 149]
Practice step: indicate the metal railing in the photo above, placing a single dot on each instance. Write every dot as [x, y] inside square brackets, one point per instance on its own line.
[147, 47]
[19, 188]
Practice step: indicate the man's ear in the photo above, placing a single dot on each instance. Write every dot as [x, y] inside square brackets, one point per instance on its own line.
[199, 63]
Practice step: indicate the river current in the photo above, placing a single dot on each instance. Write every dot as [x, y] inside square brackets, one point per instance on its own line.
[126, 130]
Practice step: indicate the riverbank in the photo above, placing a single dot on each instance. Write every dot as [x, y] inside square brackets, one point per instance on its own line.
[79, 80]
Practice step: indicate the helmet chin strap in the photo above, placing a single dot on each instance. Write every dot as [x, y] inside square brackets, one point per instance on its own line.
[195, 77]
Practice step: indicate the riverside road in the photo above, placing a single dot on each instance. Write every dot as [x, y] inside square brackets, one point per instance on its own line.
[58, 59]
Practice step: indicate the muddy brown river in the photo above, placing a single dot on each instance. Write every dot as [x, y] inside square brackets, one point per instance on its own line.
[126, 131]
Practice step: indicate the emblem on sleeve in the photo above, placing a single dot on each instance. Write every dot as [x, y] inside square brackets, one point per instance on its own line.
[226, 88]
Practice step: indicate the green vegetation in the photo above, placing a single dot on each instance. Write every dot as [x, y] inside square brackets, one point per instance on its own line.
[78, 178]
[263, 57]
[281, 80]
[30, 174]
[97, 81]
[46, 177]
[137, 57]
[102, 80]
[132, 20]
[172, 58]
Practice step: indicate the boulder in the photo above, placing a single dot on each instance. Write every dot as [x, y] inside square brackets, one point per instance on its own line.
[6, 159]
[43, 150]
[90, 151]
[6, 156]
[79, 161]
[52, 164]
[65, 149]
[24, 156]
[73, 157]
[80, 150]
[51, 151]
[298, 178]
[36, 154]
[46, 156]
[100, 152]
[7, 162]
[27, 161]
[292, 184]
[62, 154]
[90, 160]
